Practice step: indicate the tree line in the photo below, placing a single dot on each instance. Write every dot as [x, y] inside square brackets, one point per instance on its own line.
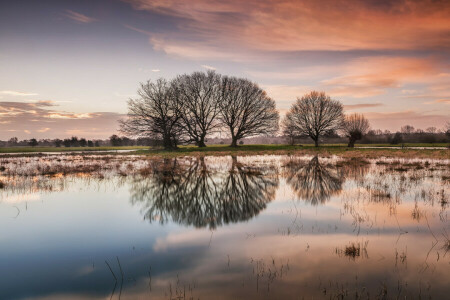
[113, 140]
[193, 106]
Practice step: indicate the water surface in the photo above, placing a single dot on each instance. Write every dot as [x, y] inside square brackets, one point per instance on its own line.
[254, 227]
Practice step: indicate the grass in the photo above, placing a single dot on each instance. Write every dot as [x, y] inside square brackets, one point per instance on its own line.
[66, 149]
[405, 144]
[267, 149]
[324, 150]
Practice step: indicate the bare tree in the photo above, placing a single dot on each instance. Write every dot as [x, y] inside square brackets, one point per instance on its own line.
[316, 114]
[432, 130]
[354, 127]
[288, 126]
[246, 110]
[155, 114]
[407, 129]
[199, 96]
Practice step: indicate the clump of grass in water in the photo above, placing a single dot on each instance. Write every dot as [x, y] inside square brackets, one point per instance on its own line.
[353, 251]
[2, 185]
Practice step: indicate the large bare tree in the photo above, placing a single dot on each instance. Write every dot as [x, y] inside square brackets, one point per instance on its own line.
[199, 99]
[354, 127]
[316, 114]
[155, 114]
[246, 110]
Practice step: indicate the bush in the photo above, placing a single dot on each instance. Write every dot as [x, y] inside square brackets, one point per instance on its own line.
[398, 138]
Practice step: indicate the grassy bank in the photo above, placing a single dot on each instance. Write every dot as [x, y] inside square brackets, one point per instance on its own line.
[324, 150]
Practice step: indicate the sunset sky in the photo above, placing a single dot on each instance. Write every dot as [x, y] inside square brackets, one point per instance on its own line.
[68, 67]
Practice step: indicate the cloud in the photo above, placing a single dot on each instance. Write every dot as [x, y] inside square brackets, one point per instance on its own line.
[292, 26]
[285, 93]
[371, 76]
[445, 101]
[208, 67]
[394, 120]
[43, 129]
[361, 105]
[156, 70]
[41, 120]
[16, 93]
[80, 18]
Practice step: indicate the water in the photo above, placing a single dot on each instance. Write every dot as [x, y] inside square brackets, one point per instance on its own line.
[256, 227]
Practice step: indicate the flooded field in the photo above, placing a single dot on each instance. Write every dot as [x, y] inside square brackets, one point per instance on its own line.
[253, 227]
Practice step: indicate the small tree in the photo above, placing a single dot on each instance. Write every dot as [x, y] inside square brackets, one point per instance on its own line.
[13, 141]
[67, 142]
[156, 114]
[74, 142]
[115, 140]
[246, 110]
[289, 130]
[354, 127]
[431, 130]
[82, 142]
[407, 129]
[398, 138]
[90, 143]
[316, 114]
[57, 142]
[33, 142]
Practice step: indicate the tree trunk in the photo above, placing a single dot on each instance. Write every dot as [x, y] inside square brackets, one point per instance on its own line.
[201, 143]
[233, 142]
[167, 143]
[316, 142]
[351, 143]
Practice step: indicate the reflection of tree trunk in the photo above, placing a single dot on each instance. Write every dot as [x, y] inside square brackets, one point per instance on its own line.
[313, 182]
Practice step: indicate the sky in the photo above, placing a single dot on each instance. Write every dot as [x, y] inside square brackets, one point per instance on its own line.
[68, 67]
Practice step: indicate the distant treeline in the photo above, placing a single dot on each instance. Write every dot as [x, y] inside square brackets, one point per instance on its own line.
[431, 135]
[74, 141]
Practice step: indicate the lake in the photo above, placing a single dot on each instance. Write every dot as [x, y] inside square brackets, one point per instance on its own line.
[252, 227]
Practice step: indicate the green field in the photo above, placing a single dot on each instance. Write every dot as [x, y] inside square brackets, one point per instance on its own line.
[308, 149]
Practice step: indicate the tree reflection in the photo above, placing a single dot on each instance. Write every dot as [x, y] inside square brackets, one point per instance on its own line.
[312, 181]
[190, 193]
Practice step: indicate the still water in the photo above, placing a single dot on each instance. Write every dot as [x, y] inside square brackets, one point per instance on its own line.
[254, 227]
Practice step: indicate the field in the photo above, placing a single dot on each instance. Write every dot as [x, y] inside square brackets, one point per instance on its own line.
[372, 150]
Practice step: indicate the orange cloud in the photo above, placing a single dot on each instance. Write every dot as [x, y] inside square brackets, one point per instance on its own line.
[370, 76]
[394, 120]
[306, 25]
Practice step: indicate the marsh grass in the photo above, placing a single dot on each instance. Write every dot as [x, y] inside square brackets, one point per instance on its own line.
[354, 250]
[325, 151]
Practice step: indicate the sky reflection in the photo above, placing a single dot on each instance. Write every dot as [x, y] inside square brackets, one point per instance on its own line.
[261, 227]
